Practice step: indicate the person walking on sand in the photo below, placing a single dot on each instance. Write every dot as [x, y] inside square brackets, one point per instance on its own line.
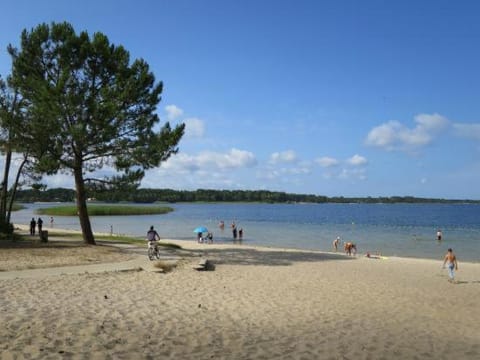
[451, 261]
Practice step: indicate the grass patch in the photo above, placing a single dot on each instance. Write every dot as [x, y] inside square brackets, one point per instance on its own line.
[10, 237]
[170, 246]
[106, 210]
[118, 239]
[56, 235]
[135, 241]
[17, 207]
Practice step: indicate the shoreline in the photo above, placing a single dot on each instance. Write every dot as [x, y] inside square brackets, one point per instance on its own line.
[194, 245]
[373, 228]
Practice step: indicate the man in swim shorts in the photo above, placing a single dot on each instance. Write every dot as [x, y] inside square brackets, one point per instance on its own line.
[451, 261]
[350, 247]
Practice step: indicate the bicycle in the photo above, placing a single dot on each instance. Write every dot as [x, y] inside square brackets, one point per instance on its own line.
[153, 252]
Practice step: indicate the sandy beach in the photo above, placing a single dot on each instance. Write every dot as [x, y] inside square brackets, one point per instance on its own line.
[258, 303]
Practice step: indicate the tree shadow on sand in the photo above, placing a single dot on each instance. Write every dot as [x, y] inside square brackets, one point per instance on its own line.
[37, 244]
[263, 257]
[466, 282]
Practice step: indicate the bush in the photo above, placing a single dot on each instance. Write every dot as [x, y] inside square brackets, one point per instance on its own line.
[6, 228]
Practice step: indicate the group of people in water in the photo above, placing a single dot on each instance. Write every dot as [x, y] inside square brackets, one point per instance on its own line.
[153, 237]
[349, 247]
[208, 238]
[236, 233]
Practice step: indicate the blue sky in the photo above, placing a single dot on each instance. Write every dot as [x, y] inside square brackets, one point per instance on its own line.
[336, 98]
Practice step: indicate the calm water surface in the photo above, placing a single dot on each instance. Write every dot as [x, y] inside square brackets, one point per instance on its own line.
[392, 229]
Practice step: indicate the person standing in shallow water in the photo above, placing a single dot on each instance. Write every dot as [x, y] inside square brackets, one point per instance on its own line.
[439, 235]
[451, 261]
[336, 242]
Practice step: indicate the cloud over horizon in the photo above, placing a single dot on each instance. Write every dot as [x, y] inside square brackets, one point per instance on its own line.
[393, 135]
[211, 161]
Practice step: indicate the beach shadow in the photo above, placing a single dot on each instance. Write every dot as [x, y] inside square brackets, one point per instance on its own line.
[271, 258]
[467, 282]
[37, 244]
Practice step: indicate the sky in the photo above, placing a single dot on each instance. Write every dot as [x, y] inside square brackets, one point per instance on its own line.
[335, 98]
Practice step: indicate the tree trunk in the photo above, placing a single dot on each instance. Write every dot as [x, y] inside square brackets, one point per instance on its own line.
[4, 191]
[82, 207]
[14, 189]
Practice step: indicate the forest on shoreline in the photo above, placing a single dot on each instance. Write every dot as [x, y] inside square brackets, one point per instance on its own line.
[208, 195]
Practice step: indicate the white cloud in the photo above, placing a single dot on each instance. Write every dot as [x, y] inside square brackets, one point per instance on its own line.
[233, 159]
[210, 161]
[295, 170]
[356, 173]
[290, 175]
[326, 161]
[384, 135]
[205, 169]
[194, 128]
[395, 136]
[357, 160]
[287, 156]
[471, 131]
[431, 121]
[59, 181]
[173, 112]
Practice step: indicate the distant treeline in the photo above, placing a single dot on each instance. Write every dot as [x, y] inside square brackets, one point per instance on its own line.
[203, 195]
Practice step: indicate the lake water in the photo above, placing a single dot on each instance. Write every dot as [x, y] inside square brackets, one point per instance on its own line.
[407, 230]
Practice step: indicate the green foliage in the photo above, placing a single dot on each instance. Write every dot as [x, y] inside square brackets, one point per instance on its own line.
[50, 195]
[202, 195]
[93, 105]
[89, 106]
[106, 210]
[6, 228]
[17, 207]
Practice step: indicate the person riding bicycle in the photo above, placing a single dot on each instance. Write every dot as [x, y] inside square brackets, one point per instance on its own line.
[152, 237]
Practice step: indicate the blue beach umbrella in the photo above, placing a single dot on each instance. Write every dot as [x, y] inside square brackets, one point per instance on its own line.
[200, 229]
